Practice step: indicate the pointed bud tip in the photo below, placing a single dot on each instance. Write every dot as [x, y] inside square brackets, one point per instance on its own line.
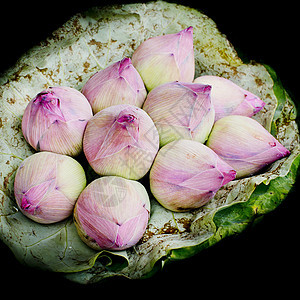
[50, 104]
[207, 89]
[283, 152]
[231, 174]
[255, 102]
[189, 29]
[124, 63]
[27, 206]
[127, 118]
[228, 176]
[125, 60]
[280, 148]
[44, 96]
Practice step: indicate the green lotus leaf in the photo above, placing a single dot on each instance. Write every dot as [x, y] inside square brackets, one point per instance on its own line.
[87, 43]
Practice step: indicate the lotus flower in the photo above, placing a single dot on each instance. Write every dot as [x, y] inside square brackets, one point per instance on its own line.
[112, 213]
[47, 186]
[181, 111]
[166, 58]
[121, 140]
[245, 144]
[230, 99]
[186, 174]
[55, 120]
[120, 83]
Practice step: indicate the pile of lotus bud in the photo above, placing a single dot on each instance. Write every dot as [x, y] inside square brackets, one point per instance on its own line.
[188, 137]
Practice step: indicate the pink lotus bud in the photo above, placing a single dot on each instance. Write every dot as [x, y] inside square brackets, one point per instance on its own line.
[121, 140]
[166, 58]
[119, 83]
[47, 186]
[230, 99]
[187, 174]
[112, 213]
[55, 120]
[181, 111]
[245, 144]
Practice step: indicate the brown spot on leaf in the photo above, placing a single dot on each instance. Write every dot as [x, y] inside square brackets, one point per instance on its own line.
[11, 100]
[7, 178]
[86, 66]
[258, 81]
[168, 229]
[94, 42]
[186, 223]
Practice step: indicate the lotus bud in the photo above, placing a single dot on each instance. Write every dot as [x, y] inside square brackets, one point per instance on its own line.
[181, 111]
[166, 58]
[121, 140]
[55, 120]
[230, 99]
[112, 213]
[47, 186]
[186, 174]
[245, 144]
[119, 83]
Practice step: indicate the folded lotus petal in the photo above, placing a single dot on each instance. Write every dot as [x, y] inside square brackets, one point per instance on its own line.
[29, 175]
[129, 233]
[134, 81]
[63, 137]
[97, 230]
[186, 48]
[36, 121]
[167, 43]
[31, 199]
[250, 106]
[158, 69]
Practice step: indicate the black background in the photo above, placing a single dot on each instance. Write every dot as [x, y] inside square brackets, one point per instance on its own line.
[262, 260]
